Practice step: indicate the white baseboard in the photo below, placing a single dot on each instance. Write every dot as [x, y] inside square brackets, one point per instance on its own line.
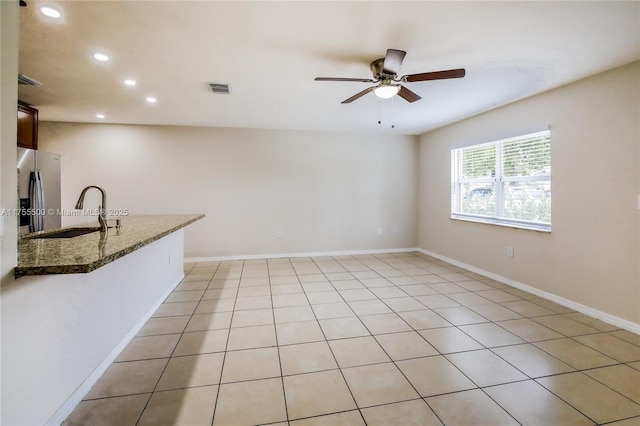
[308, 254]
[587, 310]
[76, 397]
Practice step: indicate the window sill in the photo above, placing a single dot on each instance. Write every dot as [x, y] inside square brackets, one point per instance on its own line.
[508, 224]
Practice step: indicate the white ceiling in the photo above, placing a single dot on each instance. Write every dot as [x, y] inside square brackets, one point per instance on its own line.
[270, 53]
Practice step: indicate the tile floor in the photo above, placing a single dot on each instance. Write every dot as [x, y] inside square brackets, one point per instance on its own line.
[389, 339]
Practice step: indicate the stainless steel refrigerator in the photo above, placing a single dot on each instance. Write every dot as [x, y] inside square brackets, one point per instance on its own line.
[38, 190]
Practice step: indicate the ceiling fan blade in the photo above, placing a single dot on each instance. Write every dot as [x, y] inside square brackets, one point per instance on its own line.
[393, 61]
[362, 80]
[408, 95]
[436, 75]
[358, 95]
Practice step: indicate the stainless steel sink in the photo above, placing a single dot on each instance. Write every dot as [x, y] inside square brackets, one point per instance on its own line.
[64, 233]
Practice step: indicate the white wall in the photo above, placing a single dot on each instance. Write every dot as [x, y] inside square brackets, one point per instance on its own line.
[325, 191]
[592, 255]
[8, 128]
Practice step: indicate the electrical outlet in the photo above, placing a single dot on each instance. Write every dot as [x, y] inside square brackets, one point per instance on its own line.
[379, 230]
[510, 251]
[279, 233]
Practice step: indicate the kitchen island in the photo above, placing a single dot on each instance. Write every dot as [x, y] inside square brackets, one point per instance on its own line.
[85, 253]
[78, 302]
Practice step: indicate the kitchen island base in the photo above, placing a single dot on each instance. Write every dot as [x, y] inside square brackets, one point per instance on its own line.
[61, 332]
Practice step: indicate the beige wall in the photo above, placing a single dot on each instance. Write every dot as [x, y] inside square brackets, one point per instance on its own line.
[325, 191]
[592, 255]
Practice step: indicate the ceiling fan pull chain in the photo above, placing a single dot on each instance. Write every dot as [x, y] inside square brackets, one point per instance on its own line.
[379, 111]
[393, 126]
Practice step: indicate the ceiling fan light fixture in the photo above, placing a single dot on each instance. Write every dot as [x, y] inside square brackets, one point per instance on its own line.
[386, 91]
[50, 12]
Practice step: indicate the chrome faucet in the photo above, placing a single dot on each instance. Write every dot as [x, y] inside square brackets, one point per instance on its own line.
[102, 214]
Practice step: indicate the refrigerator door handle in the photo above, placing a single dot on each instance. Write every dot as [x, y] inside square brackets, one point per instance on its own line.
[41, 207]
[36, 202]
[32, 200]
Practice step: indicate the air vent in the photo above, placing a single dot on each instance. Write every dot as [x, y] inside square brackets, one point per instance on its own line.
[220, 88]
[23, 79]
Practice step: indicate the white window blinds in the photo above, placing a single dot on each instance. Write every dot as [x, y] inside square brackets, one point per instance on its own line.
[505, 182]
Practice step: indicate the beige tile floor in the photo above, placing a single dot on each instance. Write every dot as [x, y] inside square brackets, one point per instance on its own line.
[388, 339]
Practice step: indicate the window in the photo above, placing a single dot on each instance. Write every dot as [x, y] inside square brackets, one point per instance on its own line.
[505, 182]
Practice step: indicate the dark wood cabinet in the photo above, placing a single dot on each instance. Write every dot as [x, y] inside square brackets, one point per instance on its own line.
[27, 126]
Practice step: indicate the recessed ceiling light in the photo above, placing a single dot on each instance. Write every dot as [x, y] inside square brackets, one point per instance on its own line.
[130, 82]
[100, 57]
[99, 115]
[50, 12]
[152, 100]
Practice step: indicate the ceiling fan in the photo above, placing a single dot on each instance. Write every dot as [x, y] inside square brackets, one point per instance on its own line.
[385, 73]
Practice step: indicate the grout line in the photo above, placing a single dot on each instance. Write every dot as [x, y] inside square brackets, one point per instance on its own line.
[275, 331]
[565, 401]
[224, 354]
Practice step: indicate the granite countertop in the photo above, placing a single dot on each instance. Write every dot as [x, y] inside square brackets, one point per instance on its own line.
[85, 253]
